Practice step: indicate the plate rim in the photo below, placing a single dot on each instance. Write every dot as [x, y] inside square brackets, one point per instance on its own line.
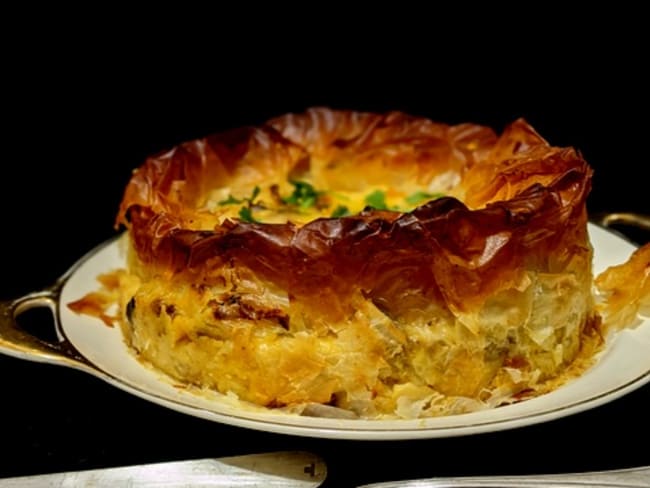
[337, 428]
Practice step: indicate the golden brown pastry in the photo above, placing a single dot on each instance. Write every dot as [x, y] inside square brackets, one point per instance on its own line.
[384, 264]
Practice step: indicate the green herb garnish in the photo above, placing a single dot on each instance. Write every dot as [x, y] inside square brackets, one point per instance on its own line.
[246, 214]
[304, 195]
[421, 196]
[340, 211]
[232, 200]
[377, 200]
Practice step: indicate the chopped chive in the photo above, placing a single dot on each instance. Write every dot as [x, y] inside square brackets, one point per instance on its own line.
[307, 202]
[230, 201]
[304, 195]
[377, 200]
[256, 192]
[340, 211]
[421, 196]
[246, 214]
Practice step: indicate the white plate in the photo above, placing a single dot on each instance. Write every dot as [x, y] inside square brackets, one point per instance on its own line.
[623, 366]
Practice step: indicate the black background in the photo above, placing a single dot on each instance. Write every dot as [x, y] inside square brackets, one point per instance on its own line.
[77, 123]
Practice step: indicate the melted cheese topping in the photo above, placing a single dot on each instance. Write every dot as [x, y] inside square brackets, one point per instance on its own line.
[309, 198]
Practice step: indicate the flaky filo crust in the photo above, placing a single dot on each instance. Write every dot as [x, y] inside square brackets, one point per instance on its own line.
[472, 300]
[519, 204]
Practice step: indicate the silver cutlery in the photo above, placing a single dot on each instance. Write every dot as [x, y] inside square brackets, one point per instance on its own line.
[290, 469]
[622, 478]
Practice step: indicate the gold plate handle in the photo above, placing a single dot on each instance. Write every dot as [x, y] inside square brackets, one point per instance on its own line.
[623, 218]
[16, 341]
[633, 226]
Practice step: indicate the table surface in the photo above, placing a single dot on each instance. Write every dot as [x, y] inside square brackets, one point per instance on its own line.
[57, 419]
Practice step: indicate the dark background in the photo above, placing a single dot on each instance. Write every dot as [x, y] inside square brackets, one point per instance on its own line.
[76, 124]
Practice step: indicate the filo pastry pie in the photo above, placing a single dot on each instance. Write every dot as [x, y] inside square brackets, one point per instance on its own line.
[383, 264]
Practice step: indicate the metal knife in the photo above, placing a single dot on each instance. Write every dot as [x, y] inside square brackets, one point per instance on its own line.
[621, 478]
[287, 469]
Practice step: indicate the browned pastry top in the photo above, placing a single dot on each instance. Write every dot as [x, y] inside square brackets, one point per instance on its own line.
[511, 199]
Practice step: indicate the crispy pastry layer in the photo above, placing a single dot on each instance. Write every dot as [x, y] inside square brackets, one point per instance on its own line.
[463, 301]
[524, 206]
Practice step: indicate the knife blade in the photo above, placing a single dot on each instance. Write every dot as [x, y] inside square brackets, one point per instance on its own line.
[288, 469]
[619, 478]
